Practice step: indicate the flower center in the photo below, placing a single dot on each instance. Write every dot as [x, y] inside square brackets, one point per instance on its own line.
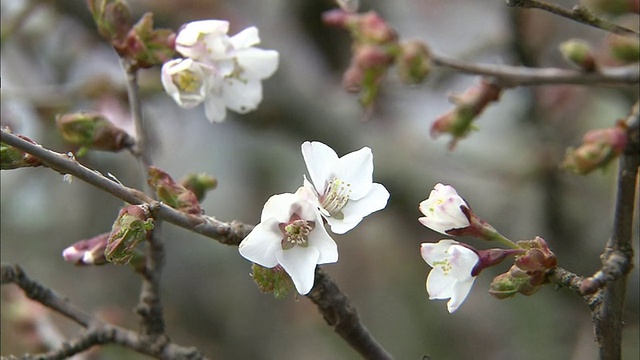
[444, 264]
[187, 81]
[296, 232]
[335, 198]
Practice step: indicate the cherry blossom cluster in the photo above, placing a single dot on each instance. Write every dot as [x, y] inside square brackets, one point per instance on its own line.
[291, 233]
[218, 70]
[456, 265]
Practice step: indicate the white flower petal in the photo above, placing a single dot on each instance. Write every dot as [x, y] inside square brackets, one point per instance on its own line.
[439, 284]
[300, 263]
[460, 292]
[262, 244]
[436, 252]
[246, 38]
[320, 239]
[242, 96]
[356, 168]
[318, 157]
[356, 210]
[214, 109]
[258, 63]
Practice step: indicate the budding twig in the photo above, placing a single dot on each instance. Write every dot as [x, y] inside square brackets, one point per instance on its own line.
[512, 76]
[578, 13]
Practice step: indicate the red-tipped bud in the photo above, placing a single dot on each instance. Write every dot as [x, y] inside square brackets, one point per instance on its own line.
[132, 226]
[87, 252]
[338, 18]
[459, 121]
[146, 47]
[14, 158]
[599, 147]
[91, 130]
[373, 28]
[537, 258]
[512, 282]
[414, 62]
[578, 52]
[371, 56]
[491, 257]
[199, 184]
[172, 193]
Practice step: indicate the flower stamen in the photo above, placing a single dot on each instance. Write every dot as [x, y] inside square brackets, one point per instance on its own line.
[336, 197]
[296, 232]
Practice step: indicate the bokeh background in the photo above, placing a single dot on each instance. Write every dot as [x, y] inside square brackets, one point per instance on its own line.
[54, 62]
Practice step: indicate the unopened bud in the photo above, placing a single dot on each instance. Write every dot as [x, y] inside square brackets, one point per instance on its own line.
[146, 47]
[578, 52]
[199, 184]
[459, 121]
[512, 282]
[172, 193]
[599, 147]
[371, 56]
[272, 280]
[14, 158]
[92, 130]
[414, 62]
[624, 48]
[87, 252]
[371, 28]
[112, 18]
[132, 226]
[537, 258]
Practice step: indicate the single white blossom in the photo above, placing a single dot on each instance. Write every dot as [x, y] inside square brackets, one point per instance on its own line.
[186, 81]
[290, 233]
[343, 188]
[442, 210]
[450, 277]
[235, 68]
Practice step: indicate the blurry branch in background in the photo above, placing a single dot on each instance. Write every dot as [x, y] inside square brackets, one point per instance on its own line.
[97, 332]
[512, 76]
[617, 259]
[332, 303]
[577, 13]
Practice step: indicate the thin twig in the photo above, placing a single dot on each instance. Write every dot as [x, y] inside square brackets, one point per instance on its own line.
[578, 13]
[512, 76]
[97, 331]
[230, 233]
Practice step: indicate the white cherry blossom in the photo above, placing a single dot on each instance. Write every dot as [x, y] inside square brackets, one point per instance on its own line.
[442, 210]
[451, 276]
[342, 188]
[291, 234]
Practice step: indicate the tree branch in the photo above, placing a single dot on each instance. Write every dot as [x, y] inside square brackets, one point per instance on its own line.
[512, 76]
[343, 317]
[578, 13]
[618, 255]
[97, 331]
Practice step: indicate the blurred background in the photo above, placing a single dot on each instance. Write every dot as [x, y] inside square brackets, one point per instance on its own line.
[53, 61]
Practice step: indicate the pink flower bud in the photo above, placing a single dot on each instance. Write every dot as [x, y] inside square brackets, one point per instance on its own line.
[599, 147]
[538, 256]
[414, 62]
[145, 47]
[172, 193]
[87, 252]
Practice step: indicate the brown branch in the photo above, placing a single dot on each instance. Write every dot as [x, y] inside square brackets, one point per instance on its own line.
[343, 317]
[618, 255]
[227, 233]
[578, 13]
[565, 278]
[512, 76]
[97, 331]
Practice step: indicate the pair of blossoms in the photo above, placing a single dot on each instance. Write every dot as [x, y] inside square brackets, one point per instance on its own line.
[218, 70]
